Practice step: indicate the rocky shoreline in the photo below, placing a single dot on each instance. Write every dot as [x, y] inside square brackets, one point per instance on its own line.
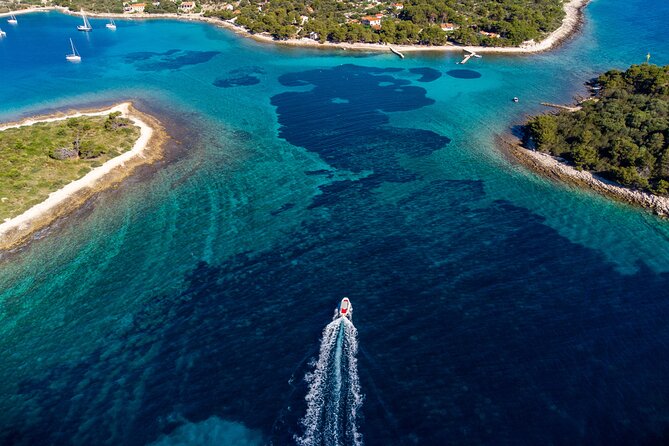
[558, 169]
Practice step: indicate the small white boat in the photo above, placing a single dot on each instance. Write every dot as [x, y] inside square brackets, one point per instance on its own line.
[2, 33]
[87, 25]
[515, 99]
[74, 57]
[12, 20]
[111, 25]
[345, 308]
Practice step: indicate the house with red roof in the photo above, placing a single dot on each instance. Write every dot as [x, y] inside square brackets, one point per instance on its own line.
[186, 6]
[135, 7]
[371, 20]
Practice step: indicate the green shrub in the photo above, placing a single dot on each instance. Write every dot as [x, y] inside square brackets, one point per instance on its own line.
[88, 150]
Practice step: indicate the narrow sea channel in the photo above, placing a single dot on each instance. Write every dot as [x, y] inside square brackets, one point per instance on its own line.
[186, 307]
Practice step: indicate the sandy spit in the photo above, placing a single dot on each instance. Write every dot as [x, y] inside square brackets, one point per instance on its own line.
[147, 149]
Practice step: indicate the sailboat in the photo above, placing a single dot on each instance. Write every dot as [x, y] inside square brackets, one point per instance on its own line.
[74, 57]
[111, 25]
[12, 20]
[87, 25]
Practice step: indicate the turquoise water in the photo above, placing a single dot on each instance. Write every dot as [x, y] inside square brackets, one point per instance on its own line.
[492, 306]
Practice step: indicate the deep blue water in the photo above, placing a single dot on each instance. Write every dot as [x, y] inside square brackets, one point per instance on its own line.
[186, 307]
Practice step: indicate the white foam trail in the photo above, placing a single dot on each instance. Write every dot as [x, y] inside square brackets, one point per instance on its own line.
[334, 402]
[316, 397]
[354, 395]
[334, 398]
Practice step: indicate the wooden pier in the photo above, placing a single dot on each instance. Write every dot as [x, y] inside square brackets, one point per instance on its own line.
[468, 55]
[561, 107]
[394, 51]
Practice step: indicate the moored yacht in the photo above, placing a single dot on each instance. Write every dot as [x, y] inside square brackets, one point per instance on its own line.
[74, 57]
[87, 25]
[12, 20]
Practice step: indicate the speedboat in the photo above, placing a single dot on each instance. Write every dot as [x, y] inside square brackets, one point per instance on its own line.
[515, 99]
[2, 33]
[345, 308]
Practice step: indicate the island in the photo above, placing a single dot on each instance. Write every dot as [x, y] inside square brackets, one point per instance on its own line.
[49, 165]
[616, 141]
[512, 26]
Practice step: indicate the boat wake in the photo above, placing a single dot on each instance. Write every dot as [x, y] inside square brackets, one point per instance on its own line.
[334, 398]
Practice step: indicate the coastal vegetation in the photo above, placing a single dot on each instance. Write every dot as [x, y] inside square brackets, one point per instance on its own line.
[428, 22]
[117, 7]
[622, 133]
[38, 159]
[112, 6]
[7, 6]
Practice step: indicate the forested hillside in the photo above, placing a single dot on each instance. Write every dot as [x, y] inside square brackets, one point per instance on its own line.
[432, 22]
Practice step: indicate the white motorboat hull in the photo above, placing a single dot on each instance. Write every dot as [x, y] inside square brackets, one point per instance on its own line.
[345, 308]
